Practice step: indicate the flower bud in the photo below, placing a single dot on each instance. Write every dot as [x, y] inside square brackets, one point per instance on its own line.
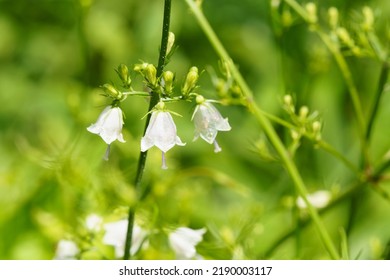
[368, 18]
[191, 80]
[168, 78]
[287, 99]
[311, 9]
[316, 126]
[287, 18]
[303, 112]
[111, 91]
[288, 103]
[140, 67]
[295, 135]
[343, 34]
[123, 73]
[171, 42]
[333, 17]
[150, 73]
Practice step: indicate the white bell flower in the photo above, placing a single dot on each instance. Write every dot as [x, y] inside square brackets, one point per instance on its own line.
[116, 236]
[66, 250]
[93, 222]
[208, 121]
[109, 125]
[183, 241]
[161, 132]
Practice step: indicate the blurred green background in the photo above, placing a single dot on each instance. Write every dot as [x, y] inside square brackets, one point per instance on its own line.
[54, 54]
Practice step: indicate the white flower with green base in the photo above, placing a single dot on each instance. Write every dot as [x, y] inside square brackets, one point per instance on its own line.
[109, 126]
[208, 121]
[183, 241]
[161, 132]
[116, 236]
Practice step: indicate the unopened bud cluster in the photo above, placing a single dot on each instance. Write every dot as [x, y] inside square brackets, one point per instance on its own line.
[305, 123]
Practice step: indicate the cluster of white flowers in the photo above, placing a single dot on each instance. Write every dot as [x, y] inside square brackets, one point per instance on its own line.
[183, 240]
[161, 131]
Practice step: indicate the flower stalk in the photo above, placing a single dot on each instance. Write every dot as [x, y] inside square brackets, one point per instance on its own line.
[153, 102]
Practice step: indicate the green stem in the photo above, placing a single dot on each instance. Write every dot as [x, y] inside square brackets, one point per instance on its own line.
[136, 93]
[153, 101]
[266, 126]
[340, 60]
[381, 85]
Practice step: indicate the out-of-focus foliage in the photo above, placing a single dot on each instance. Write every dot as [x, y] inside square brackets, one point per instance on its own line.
[54, 54]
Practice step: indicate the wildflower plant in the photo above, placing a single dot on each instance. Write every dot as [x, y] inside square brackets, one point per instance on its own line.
[283, 136]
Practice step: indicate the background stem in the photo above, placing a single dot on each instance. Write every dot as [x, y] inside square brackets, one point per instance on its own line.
[266, 126]
[153, 101]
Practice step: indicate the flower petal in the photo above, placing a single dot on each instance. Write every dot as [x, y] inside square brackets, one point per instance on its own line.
[109, 125]
[183, 241]
[161, 132]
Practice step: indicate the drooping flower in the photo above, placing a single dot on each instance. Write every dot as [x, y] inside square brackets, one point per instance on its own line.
[318, 199]
[109, 125]
[208, 121]
[93, 222]
[66, 250]
[161, 132]
[183, 241]
[116, 236]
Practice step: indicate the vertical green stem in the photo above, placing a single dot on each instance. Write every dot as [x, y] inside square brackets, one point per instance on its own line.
[349, 81]
[381, 85]
[153, 101]
[266, 126]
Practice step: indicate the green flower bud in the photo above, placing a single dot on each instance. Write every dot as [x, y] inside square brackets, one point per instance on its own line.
[123, 73]
[140, 67]
[303, 112]
[111, 91]
[168, 78]
[288, 103]
[343, 34]
[295, 135]
[287, 18]
[316, 126]
[171, 42]
[333, 17]
[150, 74]
[368, 18]
[311, 9]
[191, 80]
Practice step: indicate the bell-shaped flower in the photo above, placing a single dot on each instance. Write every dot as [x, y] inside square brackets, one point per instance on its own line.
[161, 132]
[93, 222]
[208, 121]
[116, 236]
[109, 125]
[183, 241]
[66, 250]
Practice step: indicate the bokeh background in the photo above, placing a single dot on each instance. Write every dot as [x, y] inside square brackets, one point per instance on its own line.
[54, 55]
